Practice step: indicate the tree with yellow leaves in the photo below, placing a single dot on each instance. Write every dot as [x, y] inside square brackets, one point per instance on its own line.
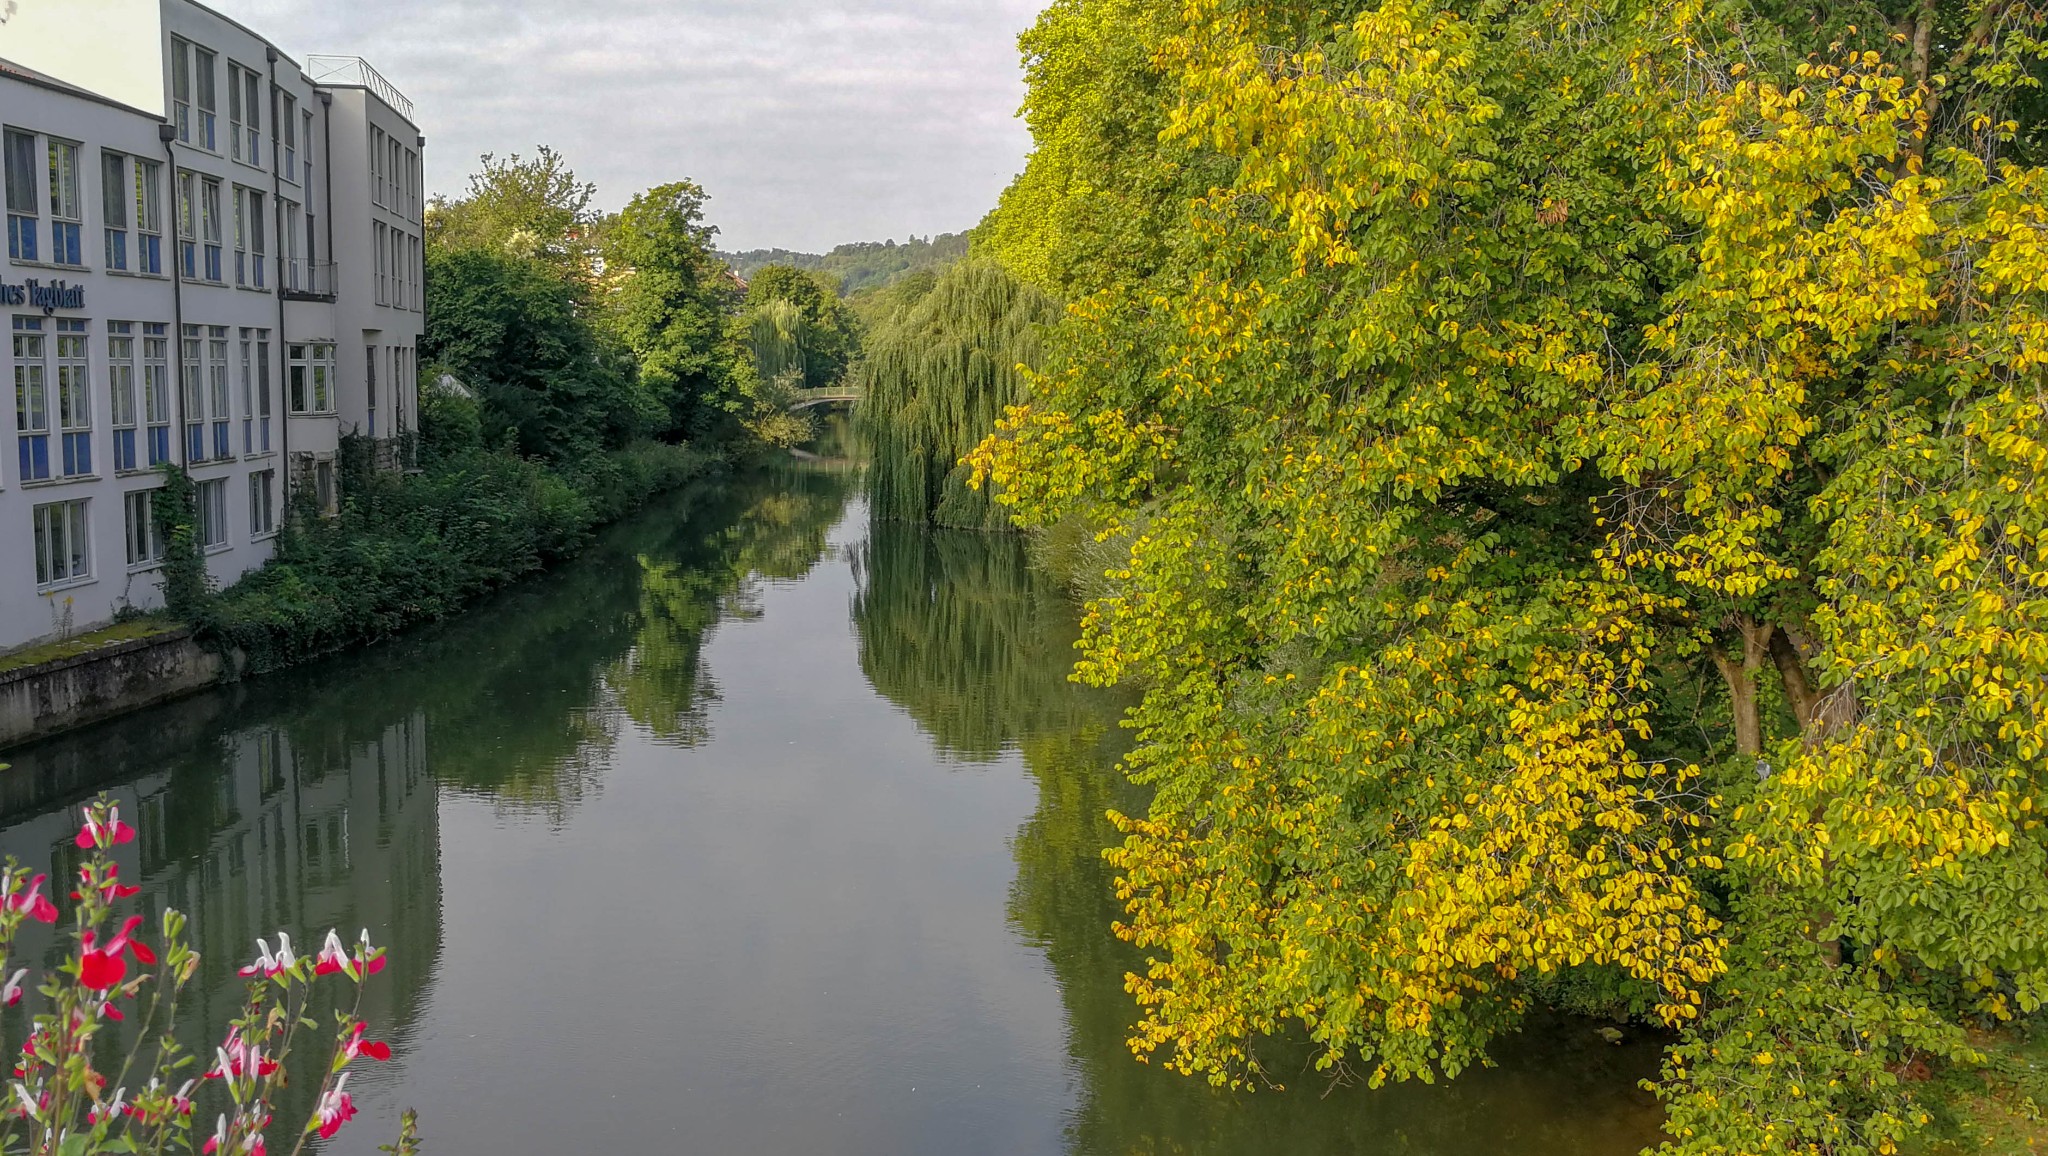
[1576, 470]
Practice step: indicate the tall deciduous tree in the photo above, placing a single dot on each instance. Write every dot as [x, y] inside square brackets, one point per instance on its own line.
[669, 296]
[1579, 469]
[524, 207]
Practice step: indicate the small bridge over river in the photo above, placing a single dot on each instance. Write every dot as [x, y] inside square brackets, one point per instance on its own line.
[807, 398]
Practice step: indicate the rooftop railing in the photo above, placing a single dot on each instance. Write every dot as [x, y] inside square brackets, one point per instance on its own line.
[355, 71]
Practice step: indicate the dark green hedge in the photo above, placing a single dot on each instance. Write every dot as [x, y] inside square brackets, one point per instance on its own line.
[415, 548]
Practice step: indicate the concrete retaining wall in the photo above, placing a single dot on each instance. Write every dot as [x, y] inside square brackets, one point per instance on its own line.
[60, 695]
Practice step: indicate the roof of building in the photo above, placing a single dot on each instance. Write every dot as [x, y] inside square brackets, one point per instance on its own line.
[22, 72]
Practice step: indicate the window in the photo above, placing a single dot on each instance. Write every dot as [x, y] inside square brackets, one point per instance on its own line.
[149, 217]
[202, 80]
[22, 202]
[245, 114]
[181, 88]
[288, 136]
[114, 208]
[217, 388]
[192, 391]
[188, 223]
[145, 545]
[248, 238]
[67, 205]
[291, 276]
[392, 173]
[323, 486]
[74, 396]
[121, 393]
[413, 274]
[31, 399]
[213, 513]
[412, 185]
[382, 242]
[63, 553]
[311, 377]
[255, 391]
[370, 381]
[262, 502]
[376, 166]
[156, 389]
[209, 225]
[306, 134]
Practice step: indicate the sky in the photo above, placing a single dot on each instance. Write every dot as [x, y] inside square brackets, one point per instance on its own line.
[810, 122]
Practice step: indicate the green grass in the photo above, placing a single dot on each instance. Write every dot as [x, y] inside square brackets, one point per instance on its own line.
[83, 643]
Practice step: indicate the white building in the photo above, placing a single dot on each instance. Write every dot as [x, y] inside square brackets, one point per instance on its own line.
[214, 260]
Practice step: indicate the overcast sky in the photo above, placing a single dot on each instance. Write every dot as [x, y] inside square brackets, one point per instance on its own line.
[811, 122]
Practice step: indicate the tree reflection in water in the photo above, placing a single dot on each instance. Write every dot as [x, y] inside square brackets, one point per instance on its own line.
[961, 633]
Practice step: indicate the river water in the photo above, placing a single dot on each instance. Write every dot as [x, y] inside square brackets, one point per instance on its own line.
[758, 829]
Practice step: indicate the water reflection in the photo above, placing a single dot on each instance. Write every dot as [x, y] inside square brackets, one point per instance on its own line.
[674, 856]
[957, 630]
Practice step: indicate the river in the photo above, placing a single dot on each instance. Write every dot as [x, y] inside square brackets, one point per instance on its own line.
[758, 829]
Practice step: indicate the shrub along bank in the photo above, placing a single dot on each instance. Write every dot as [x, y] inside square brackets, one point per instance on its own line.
[407, 549]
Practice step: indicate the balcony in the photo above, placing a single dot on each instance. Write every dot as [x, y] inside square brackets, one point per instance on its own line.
[355, 72]
[307, 280]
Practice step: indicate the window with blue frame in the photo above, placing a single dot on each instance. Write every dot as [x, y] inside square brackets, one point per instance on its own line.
[192, 391]
[188, 224]
[23, 211]
[121, 412]
[114, 209]
[156, 390]
[74, 396]
[149, 217]
[210, 226]
[67, 205]
[31, 399]
[217, 389]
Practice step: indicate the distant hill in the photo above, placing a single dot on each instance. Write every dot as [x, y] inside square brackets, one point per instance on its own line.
[863, 264]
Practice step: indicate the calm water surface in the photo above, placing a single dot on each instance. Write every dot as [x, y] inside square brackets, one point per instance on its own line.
[757, 830]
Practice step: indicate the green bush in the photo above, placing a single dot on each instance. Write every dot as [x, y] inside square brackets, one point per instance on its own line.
[412, 548]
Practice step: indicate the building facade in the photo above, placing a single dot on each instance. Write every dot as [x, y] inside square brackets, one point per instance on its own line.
[215, 261]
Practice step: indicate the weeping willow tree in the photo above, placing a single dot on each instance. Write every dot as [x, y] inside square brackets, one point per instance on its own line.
[780, 337]
[936, 378]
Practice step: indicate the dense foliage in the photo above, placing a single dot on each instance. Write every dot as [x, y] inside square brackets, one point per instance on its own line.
[823, 333]
[1576, 477]
[413, 548]
[935, 379]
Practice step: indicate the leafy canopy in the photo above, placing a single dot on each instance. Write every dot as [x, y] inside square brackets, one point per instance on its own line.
[1575, 470]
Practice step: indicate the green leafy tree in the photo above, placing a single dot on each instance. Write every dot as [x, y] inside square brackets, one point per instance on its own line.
[830, 332]
[934, 381]
[523, 207]
[1576, 473]
[669, 297]
[509, 328]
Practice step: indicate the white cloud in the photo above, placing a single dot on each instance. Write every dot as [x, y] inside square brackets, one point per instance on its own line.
[811, 122]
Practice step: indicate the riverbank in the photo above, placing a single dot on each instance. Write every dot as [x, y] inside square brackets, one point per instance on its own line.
[404, 550]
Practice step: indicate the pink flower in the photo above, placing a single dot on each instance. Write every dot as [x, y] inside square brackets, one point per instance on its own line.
[35, 902]
[336, 1108]
[10, 992]
[114, 1107]
[108, 834]
[100, 968]
[270, 965]
[358, 1046]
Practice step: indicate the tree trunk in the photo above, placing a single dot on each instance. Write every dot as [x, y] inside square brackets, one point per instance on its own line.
[1792, 670]
[1740, 675]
